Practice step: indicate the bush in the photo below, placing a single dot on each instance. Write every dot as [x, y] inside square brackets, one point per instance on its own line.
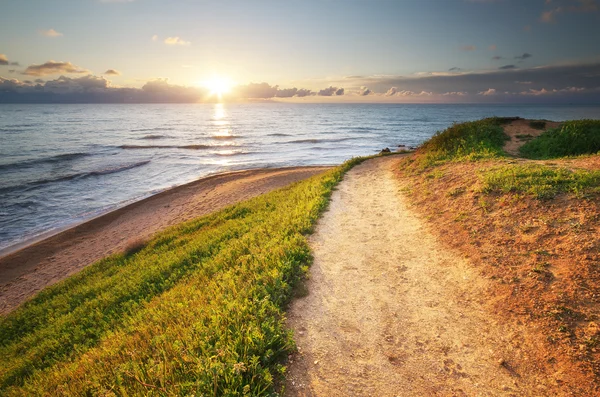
[573, 138]
[537, 124]
[473, 140]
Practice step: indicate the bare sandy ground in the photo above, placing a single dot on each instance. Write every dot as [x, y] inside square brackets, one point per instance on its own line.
[27, 271]
[391, 312]
[520, 132]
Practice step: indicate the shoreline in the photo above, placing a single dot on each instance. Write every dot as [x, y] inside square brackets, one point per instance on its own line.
[34, 264]
[35, 238]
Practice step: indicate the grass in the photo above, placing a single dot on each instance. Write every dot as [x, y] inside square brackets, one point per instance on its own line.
[540, 181]
[198, 310]
[573, 138]
[469, 141]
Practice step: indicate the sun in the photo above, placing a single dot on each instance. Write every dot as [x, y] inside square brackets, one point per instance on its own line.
[218, 85]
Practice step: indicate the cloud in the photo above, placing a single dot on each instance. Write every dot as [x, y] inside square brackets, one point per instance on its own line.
[454, 69]
[492, 47]
[364, 91]
[79, 84]
[567, 83]
[488, 92]
[256, 90]
[524, 56]
[112, 72]
[497, 58]
[331, 91]
[116, 1]
[3, 59]
[468, 48]
[554, 91]
[507, 67]
[569, 6]
[53, 67]
[550, 77]
[155, 37]
[50, 33]
[286, 92]
[176, 41]
[302, 92]
[456, 93]
[527, 28]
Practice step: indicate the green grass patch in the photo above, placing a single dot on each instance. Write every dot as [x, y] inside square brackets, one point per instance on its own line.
[197, 310]
[573, 138]
[469, 141]
[540, 181]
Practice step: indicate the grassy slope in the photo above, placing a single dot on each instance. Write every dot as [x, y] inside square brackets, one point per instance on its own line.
[571, 139]
[197, 311]
[530, 226]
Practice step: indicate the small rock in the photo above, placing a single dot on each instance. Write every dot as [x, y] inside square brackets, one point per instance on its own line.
[501, 362]
[386, 150]
[316, 362]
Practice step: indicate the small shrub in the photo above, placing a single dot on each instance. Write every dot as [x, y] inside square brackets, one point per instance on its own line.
[134, 246]
[537, 124]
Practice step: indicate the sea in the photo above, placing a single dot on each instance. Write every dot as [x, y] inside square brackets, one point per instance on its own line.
[63, 164]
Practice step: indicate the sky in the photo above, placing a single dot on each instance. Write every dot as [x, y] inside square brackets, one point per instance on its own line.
[300, 50]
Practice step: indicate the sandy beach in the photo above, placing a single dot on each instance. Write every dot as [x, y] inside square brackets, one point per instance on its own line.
[36, 266]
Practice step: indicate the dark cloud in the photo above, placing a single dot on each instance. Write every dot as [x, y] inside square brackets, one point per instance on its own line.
[53, 67]
[454, 69]
[577, 83]
[497, 58]
[302, 92]
[524, 56]
[507, 67]
[331, 91]
[256, 90]
[504, 80]
[112, 72]
[286, 92]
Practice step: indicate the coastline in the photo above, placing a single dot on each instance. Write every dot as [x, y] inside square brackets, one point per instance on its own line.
[35, 264]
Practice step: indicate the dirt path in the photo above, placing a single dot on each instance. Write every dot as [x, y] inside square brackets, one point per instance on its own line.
[390, 312]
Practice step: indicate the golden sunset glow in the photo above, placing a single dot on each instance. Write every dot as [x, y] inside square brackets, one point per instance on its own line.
[218, 85]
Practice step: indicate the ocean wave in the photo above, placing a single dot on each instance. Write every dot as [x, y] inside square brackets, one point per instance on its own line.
[225, 137]
[191, 147]
[323, 140]
[77, 175]
[279, 134]
[154, 137]
[46, 160]
[232, 153]
[153, 129]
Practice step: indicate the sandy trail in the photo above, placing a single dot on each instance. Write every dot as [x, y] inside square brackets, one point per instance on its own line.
[27, 271]
[390, 312]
